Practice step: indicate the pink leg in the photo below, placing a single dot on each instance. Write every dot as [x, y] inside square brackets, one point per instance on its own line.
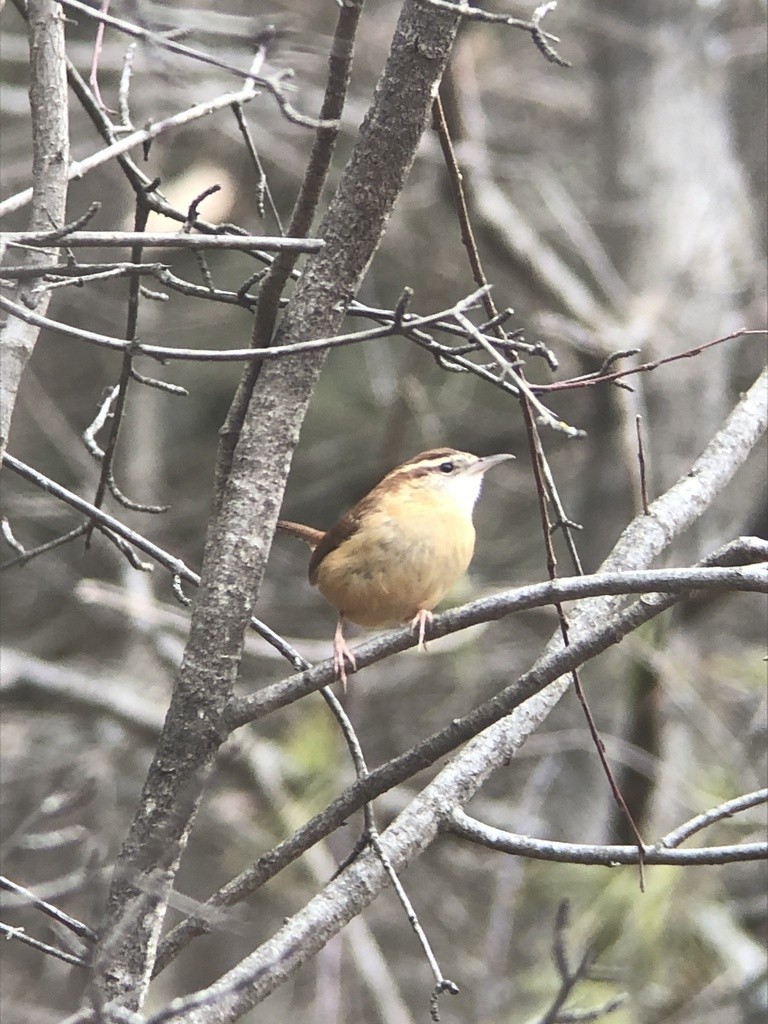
[342, 654]
[422, 619]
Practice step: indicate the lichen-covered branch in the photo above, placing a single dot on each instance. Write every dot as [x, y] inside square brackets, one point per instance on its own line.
[50, 163]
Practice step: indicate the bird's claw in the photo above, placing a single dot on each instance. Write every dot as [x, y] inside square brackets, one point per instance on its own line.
[421, 620]
[342, 656]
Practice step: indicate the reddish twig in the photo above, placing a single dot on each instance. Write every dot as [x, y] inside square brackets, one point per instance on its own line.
[538, 459]
[588, 380]
[641, 461]
[97, 48]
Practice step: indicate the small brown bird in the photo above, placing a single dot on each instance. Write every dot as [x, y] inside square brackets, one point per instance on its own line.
[400, 549]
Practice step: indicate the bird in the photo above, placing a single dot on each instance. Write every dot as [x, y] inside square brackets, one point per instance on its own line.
[396, 553]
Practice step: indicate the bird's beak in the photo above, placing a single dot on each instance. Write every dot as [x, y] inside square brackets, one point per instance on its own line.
[483, 465]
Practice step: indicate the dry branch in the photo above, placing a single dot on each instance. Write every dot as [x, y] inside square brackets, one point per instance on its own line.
[238, 538]
[50, 159]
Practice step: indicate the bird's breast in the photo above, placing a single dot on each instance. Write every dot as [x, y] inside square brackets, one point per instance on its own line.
[405, 556]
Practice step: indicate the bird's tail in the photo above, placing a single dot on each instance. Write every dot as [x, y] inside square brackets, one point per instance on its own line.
[308, 534]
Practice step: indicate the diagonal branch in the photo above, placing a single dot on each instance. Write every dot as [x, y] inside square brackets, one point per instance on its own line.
[237, 544]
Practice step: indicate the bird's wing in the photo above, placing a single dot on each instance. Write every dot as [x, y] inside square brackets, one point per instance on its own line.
[341, 531]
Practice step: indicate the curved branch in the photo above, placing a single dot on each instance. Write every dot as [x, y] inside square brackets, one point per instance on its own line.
[727, 810]
[462, 825]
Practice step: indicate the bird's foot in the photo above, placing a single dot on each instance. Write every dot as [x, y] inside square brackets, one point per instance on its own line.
[342, 656]
[421, 620]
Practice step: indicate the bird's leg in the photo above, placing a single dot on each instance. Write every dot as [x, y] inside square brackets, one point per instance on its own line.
[342, 653]
[422, 618]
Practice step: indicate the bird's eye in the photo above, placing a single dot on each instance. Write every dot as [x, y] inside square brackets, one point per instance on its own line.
[446, 467]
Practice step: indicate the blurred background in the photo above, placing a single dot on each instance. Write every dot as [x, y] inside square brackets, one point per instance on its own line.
[618, 205]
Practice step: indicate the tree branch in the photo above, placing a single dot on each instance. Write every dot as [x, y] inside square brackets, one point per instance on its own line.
[50, 161]
[252, 707]
[463, 826]
[238, 539]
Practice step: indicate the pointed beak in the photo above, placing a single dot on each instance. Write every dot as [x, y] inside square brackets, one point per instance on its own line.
[484, 464]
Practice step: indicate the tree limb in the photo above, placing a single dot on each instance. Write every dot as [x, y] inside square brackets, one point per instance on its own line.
[239, 535]
[50, 162]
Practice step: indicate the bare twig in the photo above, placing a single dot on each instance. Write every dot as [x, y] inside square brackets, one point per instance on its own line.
[27, 555]
[547, 417]
[110, 525]
[263, 190]
[90, 432]
[124, 89]
[410, 327]
[78, 273]
[9, 538]
[26, 896]
[641, 462]
[43, 947]
[120, 393]
[540, 38]
[97, 47]
[152, 240]
[601, 377]
[726, 810]
[533, 27]
[466, 827]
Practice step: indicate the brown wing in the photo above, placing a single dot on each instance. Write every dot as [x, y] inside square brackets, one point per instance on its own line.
[348, 525]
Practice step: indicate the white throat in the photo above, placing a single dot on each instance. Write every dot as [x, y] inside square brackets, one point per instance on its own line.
[464, 489]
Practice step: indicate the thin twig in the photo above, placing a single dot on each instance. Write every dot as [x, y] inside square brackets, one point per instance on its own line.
[158, 240]
[43, 549]
[305, 207]
[529, 402]
[524, 388]
[465, 827]
[89, 434]
[20, 935]
[599, 377]
[124, 88]
[97, 47]
[641, 462]
[8, 537]
[726, 810]
[410, 327]
[263, 191]
[120, 393]
[67, 921]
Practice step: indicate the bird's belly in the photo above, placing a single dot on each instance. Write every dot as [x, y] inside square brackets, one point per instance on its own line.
[387, 573]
